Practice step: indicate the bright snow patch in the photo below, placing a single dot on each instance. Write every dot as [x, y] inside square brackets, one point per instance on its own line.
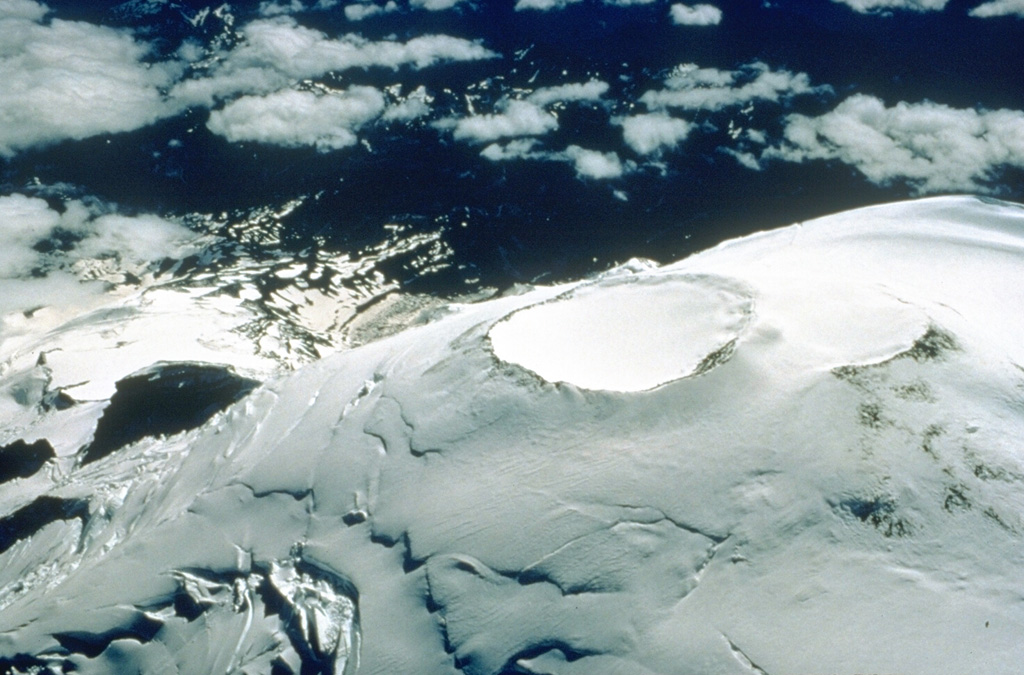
[627, 334]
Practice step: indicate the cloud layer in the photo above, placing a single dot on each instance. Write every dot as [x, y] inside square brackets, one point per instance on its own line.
[72, 80]
[591, 91]
[984, 10]
[38, 239]
[543, 5]
[932, 146]
[519, 118]
[326, 121]
[696, 15]
[275, 81]
[524, 117]
[694, 88]
[647, 134]
[435, 5]
[587, 163]
[999, 8]
[275, 53]
[359, 12]
[47, 254]
[865, 6]
[514, 131]
[546, 5]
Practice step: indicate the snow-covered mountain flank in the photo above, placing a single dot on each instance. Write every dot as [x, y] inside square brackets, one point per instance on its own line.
[797, 452]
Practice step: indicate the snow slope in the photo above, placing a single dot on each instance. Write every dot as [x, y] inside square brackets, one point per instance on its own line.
[798, 452]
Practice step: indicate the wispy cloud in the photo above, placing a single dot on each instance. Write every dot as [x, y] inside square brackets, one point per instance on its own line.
[358, 12]
[694, 88]
[588, 164]
[517, 118]
[275, 53]
[592, 91]
[543, 5]
[999, 8]
[865, 6]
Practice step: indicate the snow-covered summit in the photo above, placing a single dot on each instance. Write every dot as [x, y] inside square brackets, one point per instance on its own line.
[796, 452]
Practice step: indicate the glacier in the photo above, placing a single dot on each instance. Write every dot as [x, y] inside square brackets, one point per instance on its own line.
[796, 452]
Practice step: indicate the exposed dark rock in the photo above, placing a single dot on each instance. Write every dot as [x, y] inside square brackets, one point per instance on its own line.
[166, 399]
[56, 400]
[33, 517]
[21, 459]
[879, 513]
[22, 663]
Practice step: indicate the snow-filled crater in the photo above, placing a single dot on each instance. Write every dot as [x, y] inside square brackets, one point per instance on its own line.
[630, 333]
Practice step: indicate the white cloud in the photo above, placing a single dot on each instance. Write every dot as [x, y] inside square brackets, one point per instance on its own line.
[414, 106]
[435, 5]
[543, 5]
[757, 136]
[135, 239]
[703, 11]
[865, 6]
[594, 164]
[518, 118]
[647, 134]
[22, 9]
[592, 90]
[72, 80]
[49, 255]
[276, 52]
[690, 75]
[24, 221]
[696, 88]
[522, 148]
[69, 80]
[744, 158]
[79, 232]
[326, 121]
[523, 117]
[587, 163]
[277, 8]
[932, 146]
[361, 11]
[999, 8]
[697, 15]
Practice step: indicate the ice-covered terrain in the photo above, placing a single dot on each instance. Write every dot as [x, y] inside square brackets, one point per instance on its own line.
[797, 452]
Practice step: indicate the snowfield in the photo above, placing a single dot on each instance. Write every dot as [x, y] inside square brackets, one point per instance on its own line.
[797, 452]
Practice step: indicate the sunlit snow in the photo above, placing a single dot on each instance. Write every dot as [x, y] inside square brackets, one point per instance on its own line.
[627, 334]
[797, 452]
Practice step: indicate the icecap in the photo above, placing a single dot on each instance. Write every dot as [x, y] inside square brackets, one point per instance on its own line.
[626, 335]
[797, 452]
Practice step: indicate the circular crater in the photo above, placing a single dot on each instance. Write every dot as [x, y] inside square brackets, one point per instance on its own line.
[627, 334]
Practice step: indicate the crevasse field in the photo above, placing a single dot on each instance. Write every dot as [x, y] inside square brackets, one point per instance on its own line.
[796, 452]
